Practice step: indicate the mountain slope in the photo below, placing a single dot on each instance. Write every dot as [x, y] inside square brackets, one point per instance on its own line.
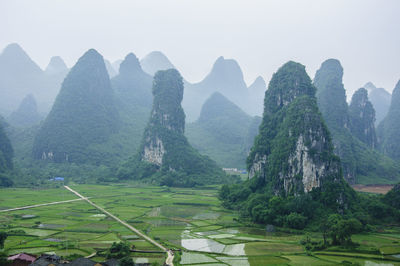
[221, 132]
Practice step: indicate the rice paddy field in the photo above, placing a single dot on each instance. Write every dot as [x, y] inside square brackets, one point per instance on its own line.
[189, 220]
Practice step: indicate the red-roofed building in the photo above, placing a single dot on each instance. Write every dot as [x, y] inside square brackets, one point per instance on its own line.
[21, 259]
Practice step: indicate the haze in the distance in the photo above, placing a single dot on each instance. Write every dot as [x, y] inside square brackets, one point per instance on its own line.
[260, 35]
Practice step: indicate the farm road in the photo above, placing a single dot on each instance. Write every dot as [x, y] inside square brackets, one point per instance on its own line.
[39, 205]
[170, 255]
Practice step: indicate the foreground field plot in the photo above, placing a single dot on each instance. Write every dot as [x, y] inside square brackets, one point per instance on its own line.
[191, 220]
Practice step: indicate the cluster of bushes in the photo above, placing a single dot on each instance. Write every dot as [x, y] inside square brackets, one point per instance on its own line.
[358, 212]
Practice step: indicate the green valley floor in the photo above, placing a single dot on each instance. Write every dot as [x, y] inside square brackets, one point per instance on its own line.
[190, 220]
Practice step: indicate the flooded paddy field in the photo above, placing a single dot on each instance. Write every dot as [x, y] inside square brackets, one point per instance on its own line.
[189, 220]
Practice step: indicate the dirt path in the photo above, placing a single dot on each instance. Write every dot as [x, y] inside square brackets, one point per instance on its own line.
[39, 205]
[170, 254]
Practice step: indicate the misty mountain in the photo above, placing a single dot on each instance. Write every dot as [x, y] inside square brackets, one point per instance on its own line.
[55, 72]
[19, 76]
[83, 114]
[256, 96]
[225, 77]
[56, 66]
[221, 132]
[132, 87]
[380, 99]
[27, 113]
[154, 62]
[360, 163]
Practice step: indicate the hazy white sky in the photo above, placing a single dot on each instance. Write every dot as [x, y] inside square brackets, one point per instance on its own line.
[261, 35]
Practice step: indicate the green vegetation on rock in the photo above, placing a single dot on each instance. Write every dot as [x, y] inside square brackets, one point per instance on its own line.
[362, 118]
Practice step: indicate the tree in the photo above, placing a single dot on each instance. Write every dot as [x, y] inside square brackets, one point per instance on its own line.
[3, 237]
[341, 229]
[126, 261]
[118, 250]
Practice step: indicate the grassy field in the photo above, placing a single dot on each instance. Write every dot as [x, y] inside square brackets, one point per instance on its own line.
[191, 220]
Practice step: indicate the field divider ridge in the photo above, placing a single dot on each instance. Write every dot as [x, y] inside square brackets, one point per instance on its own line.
[170, 255]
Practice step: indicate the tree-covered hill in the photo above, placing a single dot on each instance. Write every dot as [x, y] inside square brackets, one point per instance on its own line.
[165, 155]
[83, 114]
[221, 132]
[389, 128]
[361, 164]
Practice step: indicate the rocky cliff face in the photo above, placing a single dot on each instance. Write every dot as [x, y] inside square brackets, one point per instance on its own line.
[362, 118]
[293, 152]
[167, 114]
[389, 128]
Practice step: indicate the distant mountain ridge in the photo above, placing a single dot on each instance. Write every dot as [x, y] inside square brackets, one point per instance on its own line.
[20, 76]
